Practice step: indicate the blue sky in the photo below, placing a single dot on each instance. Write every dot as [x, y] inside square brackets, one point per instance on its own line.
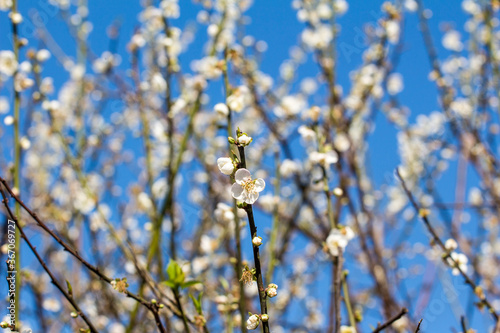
[276, 23]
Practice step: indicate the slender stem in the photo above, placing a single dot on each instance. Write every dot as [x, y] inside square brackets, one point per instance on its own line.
[181, 309]
[347, 300]
[482, 300]
[388, 323]
[151, 307]
[274, 232]
[256, 253]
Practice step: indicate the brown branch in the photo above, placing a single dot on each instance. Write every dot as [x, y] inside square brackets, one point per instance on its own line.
[54, 281]
[381, 327]
[150, 306]
[256, 254]
[482, 300]
[418, 326]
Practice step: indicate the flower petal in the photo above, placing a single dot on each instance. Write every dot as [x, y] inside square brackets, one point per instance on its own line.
[225, 165]
[259, 184]
[237, 191]
[242, 175]
[251, 198]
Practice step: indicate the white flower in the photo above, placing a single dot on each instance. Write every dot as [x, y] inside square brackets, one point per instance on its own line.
[225, 165]
[158, 83]
[347, 329]
[318, 38]
[341, 142]
[462, 107]
[208, 67]
[340, 7]
[22, 82]
[239, 99]
[338, 239]
[257, 241]
[170, 8]
[223, 213]
[244, 140]
[144, 202]
[451, 41]
[324, 159]
[288, 168]
[51, 304]
[272, 290]
[306, 133]
[451, 244]
[5, 5]
[458, 262]
[395, 83]
[324, 11]
[8, 62]
[245, 188]
[253, 322]
[221, 109]
[392, 30]
[42, 55]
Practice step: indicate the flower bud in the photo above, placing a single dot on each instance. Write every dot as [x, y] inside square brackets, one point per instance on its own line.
[253, 322]
[272, 290]
[257, 241]
[264, 318]
[225, 165]
[244, 140]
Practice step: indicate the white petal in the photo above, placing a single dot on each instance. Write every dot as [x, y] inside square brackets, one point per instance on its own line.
[259, 184]
[242, 175]
[225, 165]
[332, 157]
[237, 191]
[251, 198]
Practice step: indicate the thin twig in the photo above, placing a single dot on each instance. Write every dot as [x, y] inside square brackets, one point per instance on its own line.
[483, 300]
[256, 254]
[150, 306]
[54, 281]
[388, 323]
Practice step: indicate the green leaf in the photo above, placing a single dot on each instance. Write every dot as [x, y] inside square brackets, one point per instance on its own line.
[196, 303]
[170, 284]
[70, 289]
[189, 283]
[175, 273]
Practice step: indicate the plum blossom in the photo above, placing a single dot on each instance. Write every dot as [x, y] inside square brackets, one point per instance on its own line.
[272, 290]
[338, 239]
[253, 322]
[239, 99]
[245, 188]
[225, 165]
[5, 5]
[244, 140]
[8, 63]
[458, 261]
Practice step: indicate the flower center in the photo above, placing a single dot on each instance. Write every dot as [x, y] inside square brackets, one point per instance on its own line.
[249, 185]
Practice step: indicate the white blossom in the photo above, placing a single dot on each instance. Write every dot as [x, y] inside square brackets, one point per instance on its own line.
[253, 322]
[244, 140]
[8, 62]
[225, 165]
[245, 188]
[5, 5]
[338, 240]
[458, 262]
